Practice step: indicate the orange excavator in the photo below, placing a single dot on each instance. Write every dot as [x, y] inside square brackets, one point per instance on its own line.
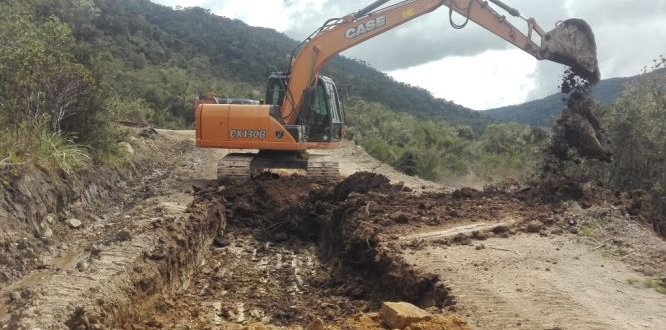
[302, 108]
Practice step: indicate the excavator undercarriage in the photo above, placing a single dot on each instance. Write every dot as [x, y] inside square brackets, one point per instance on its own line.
[236, 167]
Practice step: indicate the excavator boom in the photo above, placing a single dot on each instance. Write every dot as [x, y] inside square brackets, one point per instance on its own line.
[570, 43]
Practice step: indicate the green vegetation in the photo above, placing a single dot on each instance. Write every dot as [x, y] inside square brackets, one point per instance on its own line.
[71, 70]
[166, 57]
[635, 127]
[45, 92]
[658, 285]
[636, 124]
[440, 151]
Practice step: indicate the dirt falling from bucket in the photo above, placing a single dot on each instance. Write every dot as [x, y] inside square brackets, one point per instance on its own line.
[578, 128]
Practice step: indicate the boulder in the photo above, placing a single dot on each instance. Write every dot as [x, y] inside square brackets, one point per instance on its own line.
[74, 223]
[399, 315]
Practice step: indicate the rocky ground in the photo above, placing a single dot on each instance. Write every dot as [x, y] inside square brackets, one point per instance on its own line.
[179, 250]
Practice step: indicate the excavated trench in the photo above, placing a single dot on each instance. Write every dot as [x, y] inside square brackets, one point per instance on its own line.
[288, 251]
[294, 251]
[284, 251]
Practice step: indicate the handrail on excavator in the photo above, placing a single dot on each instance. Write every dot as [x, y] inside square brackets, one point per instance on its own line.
[369, 8]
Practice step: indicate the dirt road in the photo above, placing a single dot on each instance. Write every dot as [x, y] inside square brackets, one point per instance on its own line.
[533, 282]
[286, 251]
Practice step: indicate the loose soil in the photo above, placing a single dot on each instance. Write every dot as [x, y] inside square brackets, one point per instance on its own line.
[296, 251]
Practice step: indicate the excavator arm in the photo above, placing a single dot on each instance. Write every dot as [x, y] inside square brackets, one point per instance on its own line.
[337, 35]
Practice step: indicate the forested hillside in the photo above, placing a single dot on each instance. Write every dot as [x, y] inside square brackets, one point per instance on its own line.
[542, 112]
[146, 36]
[73, 71]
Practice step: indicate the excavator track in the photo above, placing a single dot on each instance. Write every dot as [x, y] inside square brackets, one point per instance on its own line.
[235, 167]
[322, 167]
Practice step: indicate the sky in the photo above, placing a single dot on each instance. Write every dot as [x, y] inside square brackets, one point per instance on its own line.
[471, 67]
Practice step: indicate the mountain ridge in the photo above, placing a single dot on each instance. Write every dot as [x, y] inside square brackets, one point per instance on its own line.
[542, 112]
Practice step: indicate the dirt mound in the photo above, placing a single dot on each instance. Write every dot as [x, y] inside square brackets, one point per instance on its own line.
[293, 252]
[297, 250]
[353, 244]
[361, 183]
[162, 271]
[578, 128]
[553, 190]
[467, 192]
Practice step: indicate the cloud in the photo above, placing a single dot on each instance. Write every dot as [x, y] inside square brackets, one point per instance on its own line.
[486, 80]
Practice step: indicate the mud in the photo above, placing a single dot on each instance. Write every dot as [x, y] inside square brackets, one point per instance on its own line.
[117, 282]
[98, 269]
[36, 203]
[296, 250]
[361, 183]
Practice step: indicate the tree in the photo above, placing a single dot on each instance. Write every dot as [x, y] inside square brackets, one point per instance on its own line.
[41, 81]
[636, 126]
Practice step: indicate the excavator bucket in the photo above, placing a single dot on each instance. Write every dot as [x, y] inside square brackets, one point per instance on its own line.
[572, 43]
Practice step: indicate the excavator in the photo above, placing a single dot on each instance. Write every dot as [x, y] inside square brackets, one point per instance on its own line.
[302, 109]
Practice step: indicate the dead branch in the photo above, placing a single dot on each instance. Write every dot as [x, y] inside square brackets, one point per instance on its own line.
[601, 245]
[503, 249]
[628, 254]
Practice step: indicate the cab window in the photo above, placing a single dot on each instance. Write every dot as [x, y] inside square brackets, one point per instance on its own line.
[333, 101]
[321, 106]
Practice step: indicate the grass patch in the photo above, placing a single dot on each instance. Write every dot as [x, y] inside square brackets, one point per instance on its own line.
[658, 285]
[661, 288]
[587, 231]
[594, 220]
[57, 151]
[60, 152]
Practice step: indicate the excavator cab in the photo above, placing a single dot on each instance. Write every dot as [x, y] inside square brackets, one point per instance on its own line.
[322, 116]
[324, 121]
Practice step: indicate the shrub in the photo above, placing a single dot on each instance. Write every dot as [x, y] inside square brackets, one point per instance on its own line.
[438, 151]
[635, 125]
